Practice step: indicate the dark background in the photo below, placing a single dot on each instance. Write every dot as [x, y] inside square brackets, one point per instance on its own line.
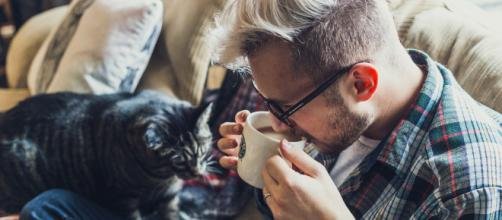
[24, 9]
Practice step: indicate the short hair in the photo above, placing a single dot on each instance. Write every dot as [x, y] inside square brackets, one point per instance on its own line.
[324, 35]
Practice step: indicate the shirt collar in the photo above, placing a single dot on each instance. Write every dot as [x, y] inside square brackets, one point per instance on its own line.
[397, 144]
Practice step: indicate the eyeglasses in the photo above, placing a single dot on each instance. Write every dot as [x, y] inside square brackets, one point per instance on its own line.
[276, 109]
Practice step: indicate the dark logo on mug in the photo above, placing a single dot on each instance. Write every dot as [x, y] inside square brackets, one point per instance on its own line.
[242, 149]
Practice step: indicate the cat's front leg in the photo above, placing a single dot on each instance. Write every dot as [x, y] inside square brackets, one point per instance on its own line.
[168, 203]
[135, 215]
[171, 209]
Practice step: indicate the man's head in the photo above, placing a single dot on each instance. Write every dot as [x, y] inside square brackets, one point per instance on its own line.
[293, 46]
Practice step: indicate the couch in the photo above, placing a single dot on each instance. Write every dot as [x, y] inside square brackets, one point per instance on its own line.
[456, 33]
[178, 65]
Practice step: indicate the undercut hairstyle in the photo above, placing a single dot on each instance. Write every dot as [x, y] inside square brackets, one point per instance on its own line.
[324, 35]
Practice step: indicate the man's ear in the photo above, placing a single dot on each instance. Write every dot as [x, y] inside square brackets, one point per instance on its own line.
[365, 80]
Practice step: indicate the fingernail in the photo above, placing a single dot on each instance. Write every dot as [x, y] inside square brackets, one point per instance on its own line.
[233, 162]
[237, 128]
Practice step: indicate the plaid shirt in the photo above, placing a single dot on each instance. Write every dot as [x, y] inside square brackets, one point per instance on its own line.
[442, 161]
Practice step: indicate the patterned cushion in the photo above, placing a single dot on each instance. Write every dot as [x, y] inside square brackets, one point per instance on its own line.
[101, 46]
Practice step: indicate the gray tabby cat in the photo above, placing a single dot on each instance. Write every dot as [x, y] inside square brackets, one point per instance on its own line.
[126, 152]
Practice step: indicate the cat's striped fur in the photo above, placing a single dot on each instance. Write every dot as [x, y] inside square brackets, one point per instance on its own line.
[123, 151]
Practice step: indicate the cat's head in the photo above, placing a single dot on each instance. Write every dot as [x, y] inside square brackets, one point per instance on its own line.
[173, 138]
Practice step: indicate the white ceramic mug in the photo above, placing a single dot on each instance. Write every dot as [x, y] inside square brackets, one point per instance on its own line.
[259, 142]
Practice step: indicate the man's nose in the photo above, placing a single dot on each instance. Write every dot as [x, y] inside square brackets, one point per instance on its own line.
[277, 124]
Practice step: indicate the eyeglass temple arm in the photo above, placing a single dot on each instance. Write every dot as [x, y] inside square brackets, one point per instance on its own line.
[313, 94]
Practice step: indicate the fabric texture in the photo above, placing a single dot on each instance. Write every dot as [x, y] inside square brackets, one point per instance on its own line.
[466, 41]
[350, 158]
[61, 204]
[26, 43]
[82, 55]
[222, 195]
[442, 161]
[186, 44]
[10, 97]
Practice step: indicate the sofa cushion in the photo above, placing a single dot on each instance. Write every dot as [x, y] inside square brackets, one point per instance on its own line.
[84, 55]
[159, 74]
[27, 42]
[11, 97]
[464, 40]
[184, 37]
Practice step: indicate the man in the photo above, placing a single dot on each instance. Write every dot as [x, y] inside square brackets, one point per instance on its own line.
[398, 138]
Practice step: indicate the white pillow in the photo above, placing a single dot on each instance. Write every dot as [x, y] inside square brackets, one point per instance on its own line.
[101, 46]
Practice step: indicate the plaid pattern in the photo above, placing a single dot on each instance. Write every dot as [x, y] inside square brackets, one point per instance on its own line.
[443, 160]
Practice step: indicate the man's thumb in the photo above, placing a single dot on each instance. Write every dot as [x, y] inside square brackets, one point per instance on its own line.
[300, 159]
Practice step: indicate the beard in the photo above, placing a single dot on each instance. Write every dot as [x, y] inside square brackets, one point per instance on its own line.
[344, 128]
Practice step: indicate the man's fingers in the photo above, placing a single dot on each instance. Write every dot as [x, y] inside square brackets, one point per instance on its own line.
[228, 162]
[268, 181]
[279, 170]
[268, 197]
[241, 116]
[234, 152]
[229, 146]
[230, 128]
[301, 160]
[10, 217]
[227, 143]
[234, 128]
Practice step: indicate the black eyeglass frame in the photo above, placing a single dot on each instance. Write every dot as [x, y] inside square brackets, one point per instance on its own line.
[275, 108]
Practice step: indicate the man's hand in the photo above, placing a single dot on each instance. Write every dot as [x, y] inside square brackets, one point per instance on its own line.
[10, 217]
[231, 137]
[310, 194]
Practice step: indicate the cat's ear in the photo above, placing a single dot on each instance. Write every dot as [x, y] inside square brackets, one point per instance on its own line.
[152, 137]
[203, 115]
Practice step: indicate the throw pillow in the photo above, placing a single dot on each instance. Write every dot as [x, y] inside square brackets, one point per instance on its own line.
[26, 43]
[188, 48]
[101, 46]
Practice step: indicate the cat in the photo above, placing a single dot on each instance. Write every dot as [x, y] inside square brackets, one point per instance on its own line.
[126, 152]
